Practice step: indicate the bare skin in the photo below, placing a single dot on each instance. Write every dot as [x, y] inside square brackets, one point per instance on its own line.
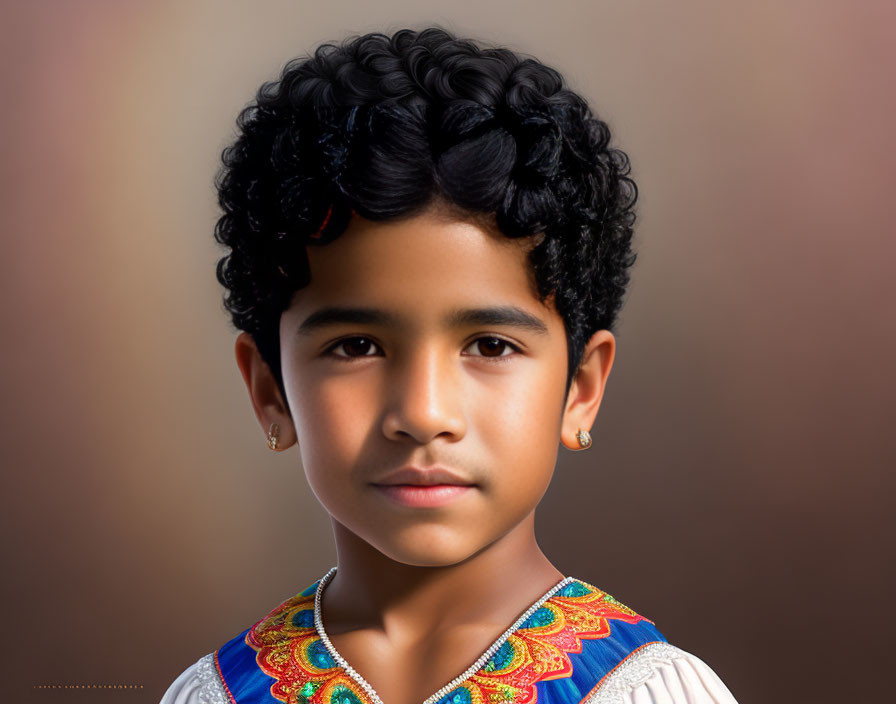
[421, 592]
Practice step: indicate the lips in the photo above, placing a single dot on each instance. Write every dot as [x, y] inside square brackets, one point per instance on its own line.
[430, 476]
[420, 487]
[416, 496]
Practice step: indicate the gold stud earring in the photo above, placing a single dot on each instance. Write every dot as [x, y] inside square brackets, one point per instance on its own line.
[584, 438]
[273, 436]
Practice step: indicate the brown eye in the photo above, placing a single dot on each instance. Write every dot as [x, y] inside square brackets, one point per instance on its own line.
[354, 346]
[493, 347]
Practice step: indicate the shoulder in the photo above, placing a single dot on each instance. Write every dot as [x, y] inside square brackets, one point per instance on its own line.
[631, 660]
[198, 684]
[233, 671]
[661, 673]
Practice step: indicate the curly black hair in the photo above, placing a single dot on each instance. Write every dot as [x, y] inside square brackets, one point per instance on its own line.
[386, 126]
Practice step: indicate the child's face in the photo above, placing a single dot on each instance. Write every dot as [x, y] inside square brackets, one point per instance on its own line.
[371, 396]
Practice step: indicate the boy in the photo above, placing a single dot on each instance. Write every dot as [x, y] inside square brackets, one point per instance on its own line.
[429, 244]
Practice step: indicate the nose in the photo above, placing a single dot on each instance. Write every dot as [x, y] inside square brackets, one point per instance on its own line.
[424, 397]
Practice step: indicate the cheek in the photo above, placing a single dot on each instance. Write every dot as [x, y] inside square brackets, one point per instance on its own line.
[522, 437]
[332, 422]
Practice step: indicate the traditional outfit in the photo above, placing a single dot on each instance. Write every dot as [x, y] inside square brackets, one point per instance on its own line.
[575, 645]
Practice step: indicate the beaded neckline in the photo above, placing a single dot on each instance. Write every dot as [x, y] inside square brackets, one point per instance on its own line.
[466, 674]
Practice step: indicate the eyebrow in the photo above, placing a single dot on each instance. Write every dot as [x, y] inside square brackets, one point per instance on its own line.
[509, 316]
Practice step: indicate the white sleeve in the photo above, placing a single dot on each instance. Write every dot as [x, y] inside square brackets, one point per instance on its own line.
[185, 689]
[661, 673]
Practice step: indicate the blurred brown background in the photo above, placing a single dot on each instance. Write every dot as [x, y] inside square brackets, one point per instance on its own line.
[744, 430]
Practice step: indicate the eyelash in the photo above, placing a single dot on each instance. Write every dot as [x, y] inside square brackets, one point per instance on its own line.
[348, 358]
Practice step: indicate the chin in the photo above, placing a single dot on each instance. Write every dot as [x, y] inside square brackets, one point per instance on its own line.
[426, 547]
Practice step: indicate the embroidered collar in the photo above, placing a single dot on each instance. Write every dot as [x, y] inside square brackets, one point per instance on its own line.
[539, 649]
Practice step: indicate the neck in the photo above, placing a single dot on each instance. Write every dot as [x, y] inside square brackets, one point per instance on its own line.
[409, 603]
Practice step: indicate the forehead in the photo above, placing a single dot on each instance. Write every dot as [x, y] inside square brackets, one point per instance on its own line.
[422, 267]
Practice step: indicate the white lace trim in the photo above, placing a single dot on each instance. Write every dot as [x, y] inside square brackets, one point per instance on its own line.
[211, 688]
[636, 669]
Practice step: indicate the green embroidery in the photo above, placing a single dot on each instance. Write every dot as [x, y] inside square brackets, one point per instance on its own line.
[309, 689]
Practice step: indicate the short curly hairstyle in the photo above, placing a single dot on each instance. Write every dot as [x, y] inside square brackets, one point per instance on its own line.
[387, 126]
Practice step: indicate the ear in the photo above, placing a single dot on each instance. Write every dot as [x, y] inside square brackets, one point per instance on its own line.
[263, 391]
[587, 387]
